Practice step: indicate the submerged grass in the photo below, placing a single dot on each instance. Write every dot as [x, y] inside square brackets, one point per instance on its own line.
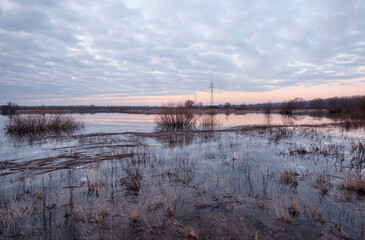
[39, 124]
[181, 185]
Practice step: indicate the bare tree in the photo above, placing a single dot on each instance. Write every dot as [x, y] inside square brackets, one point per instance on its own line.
[267, 107]
[227, 107]
[317, 103]
[10, 108]
[189, 103]
[288, 107]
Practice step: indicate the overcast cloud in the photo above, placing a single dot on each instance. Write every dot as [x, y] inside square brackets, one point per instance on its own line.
[62, 49]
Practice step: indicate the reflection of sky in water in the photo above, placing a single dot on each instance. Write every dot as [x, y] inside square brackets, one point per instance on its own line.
[119, 123]
[116, 122]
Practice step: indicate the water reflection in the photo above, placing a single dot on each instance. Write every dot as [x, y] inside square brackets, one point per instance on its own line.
[268, 119]
[17, 140]
[183, 139]
[210, 122]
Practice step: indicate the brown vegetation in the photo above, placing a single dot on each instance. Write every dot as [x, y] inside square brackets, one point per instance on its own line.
[322, 184]
[175, 117]
[289, 178]
[35, 124]
[354, 183]
[353, 107]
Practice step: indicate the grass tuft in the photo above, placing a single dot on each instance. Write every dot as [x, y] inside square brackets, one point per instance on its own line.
[132, 183]
[289, 178]
[356, 183]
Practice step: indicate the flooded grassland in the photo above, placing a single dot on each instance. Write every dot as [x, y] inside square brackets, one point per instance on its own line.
[268, 182]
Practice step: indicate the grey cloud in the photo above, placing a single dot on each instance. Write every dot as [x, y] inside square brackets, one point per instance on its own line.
[85, 48]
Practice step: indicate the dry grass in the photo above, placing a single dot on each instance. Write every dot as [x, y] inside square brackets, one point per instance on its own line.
[154, 205]
[92, 187]
[294, 209]
[171, 209]
[134, 216]
[132, 182]
[35, 124]
[354, 183]
[322, 183]
[289, 178]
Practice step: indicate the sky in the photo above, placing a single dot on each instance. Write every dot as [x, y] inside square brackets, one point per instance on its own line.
[150, 52]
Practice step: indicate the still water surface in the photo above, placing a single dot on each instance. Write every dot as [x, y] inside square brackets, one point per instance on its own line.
[111, 122]
[120, 122]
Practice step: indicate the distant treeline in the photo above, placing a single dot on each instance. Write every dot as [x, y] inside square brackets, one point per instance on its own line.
[12, 108]
[352, 106]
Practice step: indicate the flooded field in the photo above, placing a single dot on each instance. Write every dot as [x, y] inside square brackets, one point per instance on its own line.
[120, 179]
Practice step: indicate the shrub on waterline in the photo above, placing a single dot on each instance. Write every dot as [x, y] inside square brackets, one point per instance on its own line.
[36, 124]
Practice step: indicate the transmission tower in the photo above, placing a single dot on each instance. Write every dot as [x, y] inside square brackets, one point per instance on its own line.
[211, 93]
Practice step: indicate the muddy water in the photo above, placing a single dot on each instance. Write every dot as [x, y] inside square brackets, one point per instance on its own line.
[277, 183]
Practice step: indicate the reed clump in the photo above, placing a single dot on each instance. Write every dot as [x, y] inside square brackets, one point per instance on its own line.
[354, 183]
[289, 178]
[38, 124]
[175, 117]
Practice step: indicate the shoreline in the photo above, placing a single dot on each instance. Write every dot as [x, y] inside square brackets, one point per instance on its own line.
[158, 111]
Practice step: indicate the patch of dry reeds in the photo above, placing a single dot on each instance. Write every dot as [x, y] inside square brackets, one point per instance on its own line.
[175, 117]
[354, 183]
[289, 178]
[38, 124]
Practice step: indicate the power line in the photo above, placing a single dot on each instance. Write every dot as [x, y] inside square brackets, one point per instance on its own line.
[211, 93]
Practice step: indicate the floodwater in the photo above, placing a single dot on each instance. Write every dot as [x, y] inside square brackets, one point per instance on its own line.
[119, 122]
[118, 179]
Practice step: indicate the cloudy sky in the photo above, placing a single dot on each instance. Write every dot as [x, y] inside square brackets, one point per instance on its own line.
[147, 52]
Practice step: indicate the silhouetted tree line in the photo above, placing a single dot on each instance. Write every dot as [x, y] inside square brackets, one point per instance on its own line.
[349, 106]
[12, 108]
[9, 109]
[352, 107]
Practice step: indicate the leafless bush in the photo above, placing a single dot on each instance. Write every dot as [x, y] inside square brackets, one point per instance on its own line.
[175, 117]
[35, 124]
